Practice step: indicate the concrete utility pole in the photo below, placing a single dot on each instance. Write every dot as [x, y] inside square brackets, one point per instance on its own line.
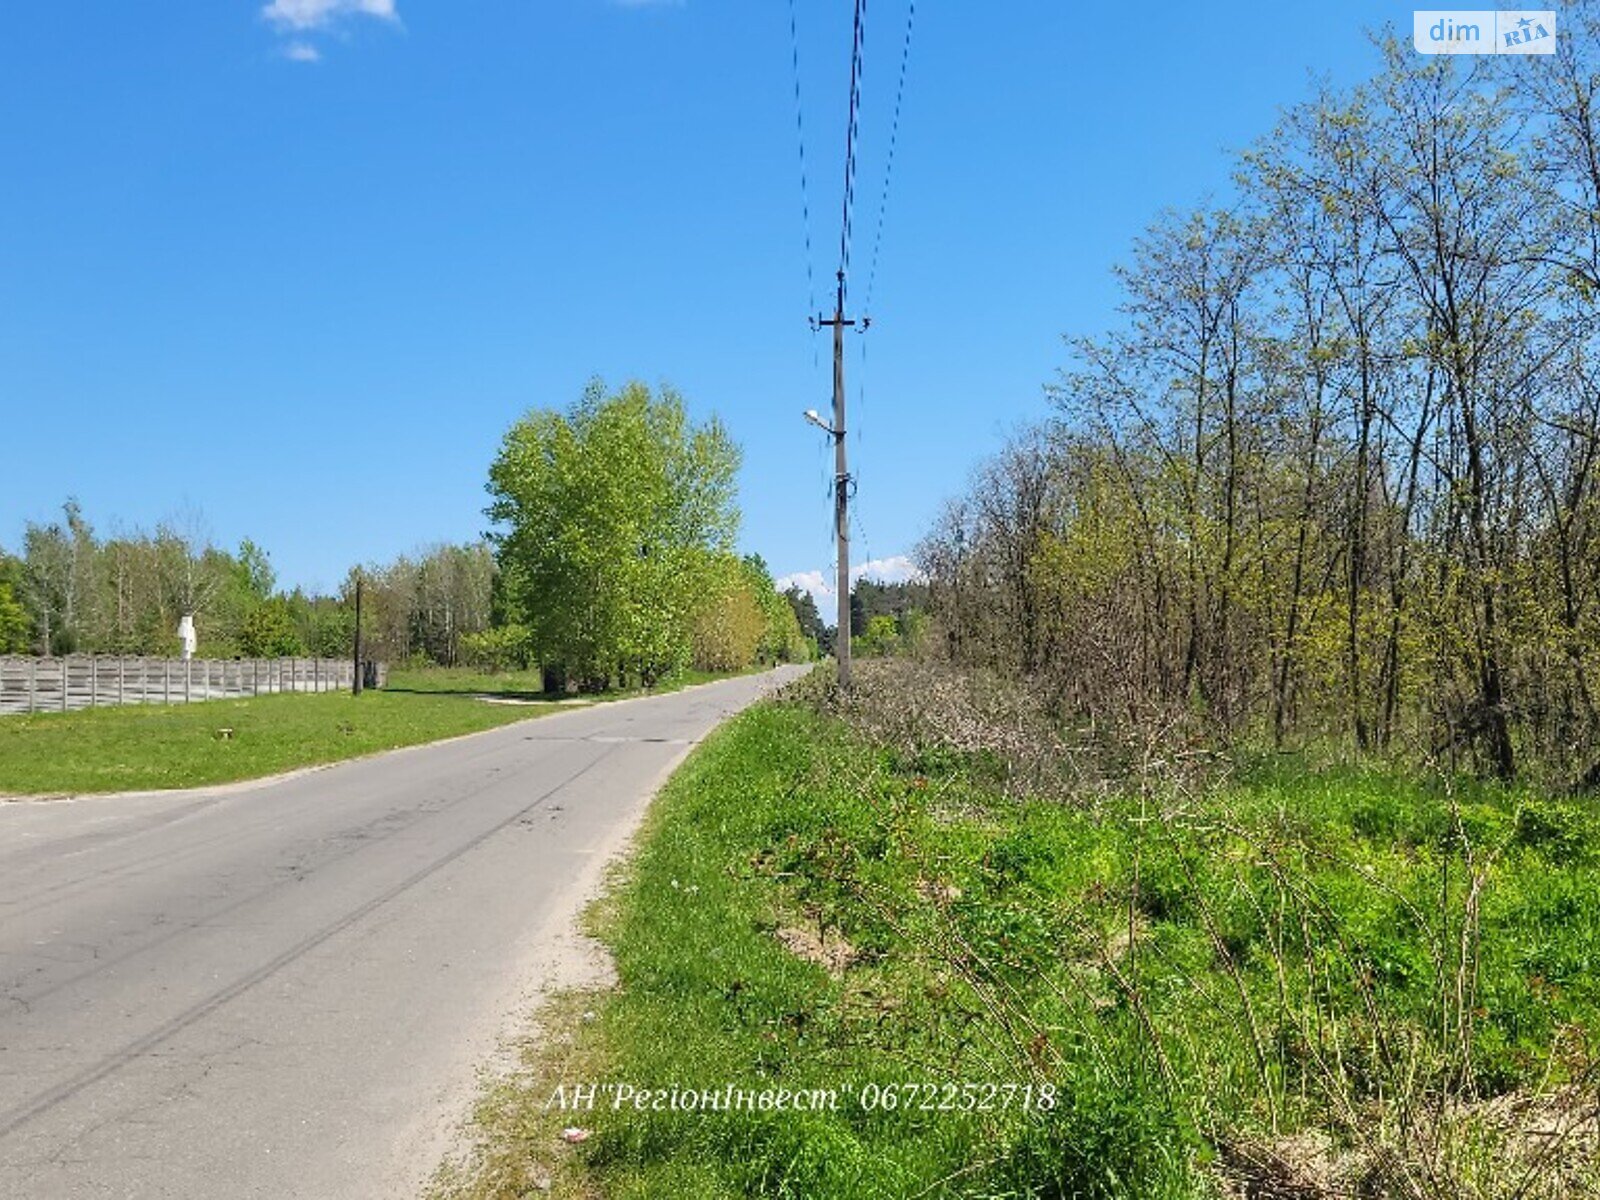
[841, 488]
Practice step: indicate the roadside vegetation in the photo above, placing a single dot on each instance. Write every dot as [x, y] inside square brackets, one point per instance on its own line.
[1332, 474]
[1282, 979]
[1233, 773]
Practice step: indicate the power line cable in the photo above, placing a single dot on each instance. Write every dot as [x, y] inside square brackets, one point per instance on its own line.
[852, 132]
[894, 139]
[805, 189]
[859, 425]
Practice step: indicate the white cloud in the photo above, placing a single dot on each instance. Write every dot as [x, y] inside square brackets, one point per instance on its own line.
[318, 14]
[895, 569]
[898, 569]
[303, 52]
[807, 581]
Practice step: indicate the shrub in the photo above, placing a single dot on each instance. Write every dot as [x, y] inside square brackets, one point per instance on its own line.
[505, 648]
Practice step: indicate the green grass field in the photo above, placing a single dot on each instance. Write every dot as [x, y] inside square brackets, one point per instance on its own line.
[139, 747]
[525, 685]
[158, 746]
[529, 684]
[1340, 982]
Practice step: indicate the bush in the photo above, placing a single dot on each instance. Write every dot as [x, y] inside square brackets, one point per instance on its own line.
[1561, 832]
[268, 631]
[506, 648]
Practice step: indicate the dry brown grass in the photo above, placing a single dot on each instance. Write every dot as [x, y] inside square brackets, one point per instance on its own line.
[1519, 1146]
[926, 707]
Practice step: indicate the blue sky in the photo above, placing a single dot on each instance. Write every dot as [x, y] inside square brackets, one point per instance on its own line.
[300, 265]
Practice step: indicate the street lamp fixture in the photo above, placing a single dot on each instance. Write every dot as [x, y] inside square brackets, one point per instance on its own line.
[816, 419]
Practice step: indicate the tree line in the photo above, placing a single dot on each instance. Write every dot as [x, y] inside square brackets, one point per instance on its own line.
[612, 561]
[71, 590]
[1334, 473]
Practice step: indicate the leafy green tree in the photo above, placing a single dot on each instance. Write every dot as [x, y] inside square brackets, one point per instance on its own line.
[882, 637]
[16, 630]
[255, 571]
[503, 648]
[869, 599]
[326, 625]
[730, 628]
[806, 616]
[781, 638]
[57, 565]
[269, 631]
[610, 517]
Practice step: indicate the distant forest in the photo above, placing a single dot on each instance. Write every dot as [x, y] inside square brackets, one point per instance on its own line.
[72, 590]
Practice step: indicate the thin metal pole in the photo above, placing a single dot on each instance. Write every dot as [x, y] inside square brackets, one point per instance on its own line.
[355, 686]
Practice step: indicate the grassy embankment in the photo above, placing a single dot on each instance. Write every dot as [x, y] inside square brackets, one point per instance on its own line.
[1287, 983]
[138, 747]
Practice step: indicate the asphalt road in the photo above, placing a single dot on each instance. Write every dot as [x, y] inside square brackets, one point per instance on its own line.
[284, 990]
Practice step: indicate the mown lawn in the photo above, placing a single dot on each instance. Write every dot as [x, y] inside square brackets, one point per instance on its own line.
[1338, 982]
[529, 684]
[136, 747]
[526, 685]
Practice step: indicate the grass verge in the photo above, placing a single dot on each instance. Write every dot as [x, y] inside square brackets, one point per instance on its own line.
[529, 684]
[138, 747]
[514, 685]
[1292, 983]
